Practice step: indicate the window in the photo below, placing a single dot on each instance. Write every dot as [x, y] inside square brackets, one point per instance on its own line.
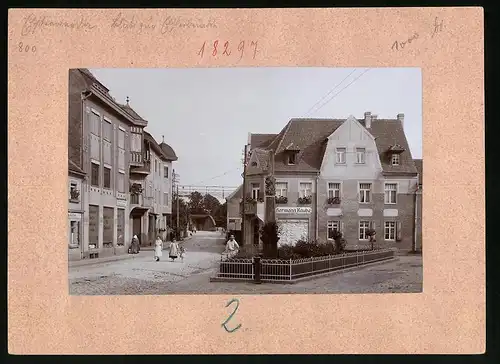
[121, 182]
[121, 139]
[165, 171]
[73, 191]
[93, 226]
[255, 191]
[305, 189]
[120, 226]
[281, 189]
[108, 226]
[94, 174]
[331, 228]
[340, 155]
[156, 166]
[165, 198]
[395, 160]
[135, 142]
[364, 192]
[360, 155]
[107, 130]
[95, 123]
[291, 158]
[107, 177]
[159, 168]
[390, 230]
[364, 226]
[390, 193]
[333, 190]
[74, 236]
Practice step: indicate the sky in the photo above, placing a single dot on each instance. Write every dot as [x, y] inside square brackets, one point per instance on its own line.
[205, 114]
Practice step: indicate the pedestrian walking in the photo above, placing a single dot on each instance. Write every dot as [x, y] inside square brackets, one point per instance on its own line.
[174, 250]
[158, 249]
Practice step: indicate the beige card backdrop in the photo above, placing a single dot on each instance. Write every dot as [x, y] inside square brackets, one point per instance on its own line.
[448, 317]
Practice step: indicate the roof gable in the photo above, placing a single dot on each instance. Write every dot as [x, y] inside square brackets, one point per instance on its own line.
[350, 122]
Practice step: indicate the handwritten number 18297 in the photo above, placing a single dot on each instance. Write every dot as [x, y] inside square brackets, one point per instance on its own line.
[227, 49]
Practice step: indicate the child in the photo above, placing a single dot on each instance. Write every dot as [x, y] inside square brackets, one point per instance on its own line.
[182, 252]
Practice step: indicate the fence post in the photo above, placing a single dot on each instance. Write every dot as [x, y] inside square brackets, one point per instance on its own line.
[290, 268]
[257, 267]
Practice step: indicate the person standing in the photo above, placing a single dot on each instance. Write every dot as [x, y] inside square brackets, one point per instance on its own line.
[134, 245]
[158, 249]
[174, 250]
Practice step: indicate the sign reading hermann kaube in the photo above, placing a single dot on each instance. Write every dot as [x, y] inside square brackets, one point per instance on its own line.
[294, 210]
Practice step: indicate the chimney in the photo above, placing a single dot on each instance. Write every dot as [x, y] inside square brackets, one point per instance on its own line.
[401, 117]
[374, 116]
[368, 119]
[249, 138]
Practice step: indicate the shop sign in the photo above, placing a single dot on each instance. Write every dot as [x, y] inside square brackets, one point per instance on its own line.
[294, 210]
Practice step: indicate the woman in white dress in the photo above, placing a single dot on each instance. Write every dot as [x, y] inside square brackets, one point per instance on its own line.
[158, 248]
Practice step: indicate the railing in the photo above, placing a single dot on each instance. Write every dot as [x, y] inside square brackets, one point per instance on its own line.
[279, 270]
[136, 157]
[240, 269]
[135, 199]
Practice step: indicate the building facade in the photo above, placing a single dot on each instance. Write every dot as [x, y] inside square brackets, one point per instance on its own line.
[107, 143]
[234, 220]
[418, 208]
[76, 181]
[351, 175]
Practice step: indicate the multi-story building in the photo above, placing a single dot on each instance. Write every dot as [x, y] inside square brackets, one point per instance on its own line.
[151, 210]
[106, 142]
[348, 175]
[233, 222]
[75, 210]
[418, 208]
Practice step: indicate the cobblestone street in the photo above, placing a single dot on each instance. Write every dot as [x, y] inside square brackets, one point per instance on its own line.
[140, 275]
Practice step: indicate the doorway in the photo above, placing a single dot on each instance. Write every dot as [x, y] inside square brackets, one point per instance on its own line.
[256, 232]
[136, 226]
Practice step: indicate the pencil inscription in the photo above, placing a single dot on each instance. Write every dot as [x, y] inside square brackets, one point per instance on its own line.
[33, 23]
[165, 25]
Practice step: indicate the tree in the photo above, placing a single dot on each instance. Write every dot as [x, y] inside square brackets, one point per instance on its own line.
[211, 204]
[183, 216]
[220, 215]
[196, 203]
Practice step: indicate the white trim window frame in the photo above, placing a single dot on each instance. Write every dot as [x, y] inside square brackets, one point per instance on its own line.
[108, 167]
[281, 189]
[390, 230]
[95, 123]
[390, 193]
[93, 163]
[304, 191]
[121, 181]
[334, 189]
[395, 159]
[360, 155]
[363, 227]
[340, 155]
[365, 192]
[331, 226]
[255, 190]
[107, 123]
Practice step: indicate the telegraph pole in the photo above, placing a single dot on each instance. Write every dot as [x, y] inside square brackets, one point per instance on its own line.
[243, 220]
[178, 226]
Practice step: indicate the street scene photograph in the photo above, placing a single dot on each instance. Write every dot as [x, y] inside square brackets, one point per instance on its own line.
[261, 180]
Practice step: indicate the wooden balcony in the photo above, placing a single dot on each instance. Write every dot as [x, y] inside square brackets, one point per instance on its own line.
[136, 158]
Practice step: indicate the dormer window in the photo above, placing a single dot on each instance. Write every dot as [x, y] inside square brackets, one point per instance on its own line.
[395, 159]
[292, 158]
[291, 153]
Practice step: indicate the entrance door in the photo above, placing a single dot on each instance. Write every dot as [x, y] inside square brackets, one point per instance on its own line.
[293, 231]
[152, 229]
[136, 226]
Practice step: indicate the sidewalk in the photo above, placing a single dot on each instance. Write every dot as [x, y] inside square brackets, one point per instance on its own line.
[83, 262]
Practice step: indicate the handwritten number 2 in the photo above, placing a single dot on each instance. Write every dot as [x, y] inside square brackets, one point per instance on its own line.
[227, 52]
[231, 315]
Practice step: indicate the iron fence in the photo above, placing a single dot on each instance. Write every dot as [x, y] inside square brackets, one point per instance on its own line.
[279, 270]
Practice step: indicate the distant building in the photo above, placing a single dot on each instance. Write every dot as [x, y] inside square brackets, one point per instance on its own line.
[234, 212]
[350, 175]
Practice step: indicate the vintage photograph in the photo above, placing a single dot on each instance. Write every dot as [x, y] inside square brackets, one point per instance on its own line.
[244, 180]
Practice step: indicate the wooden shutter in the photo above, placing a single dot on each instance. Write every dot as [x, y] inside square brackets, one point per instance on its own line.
[398, 231]
[341, 227]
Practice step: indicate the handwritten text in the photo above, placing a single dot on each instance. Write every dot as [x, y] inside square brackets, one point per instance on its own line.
[226, 49]
[164, 26]
[33, 23]
[231, 315]
[438, 26]
[397, 45]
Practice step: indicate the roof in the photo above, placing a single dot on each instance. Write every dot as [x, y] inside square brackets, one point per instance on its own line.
[128, 109]
[261, 140]
[168, 151]
[309, 137]
[238, 193]
[419, 166]
[73, 167]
